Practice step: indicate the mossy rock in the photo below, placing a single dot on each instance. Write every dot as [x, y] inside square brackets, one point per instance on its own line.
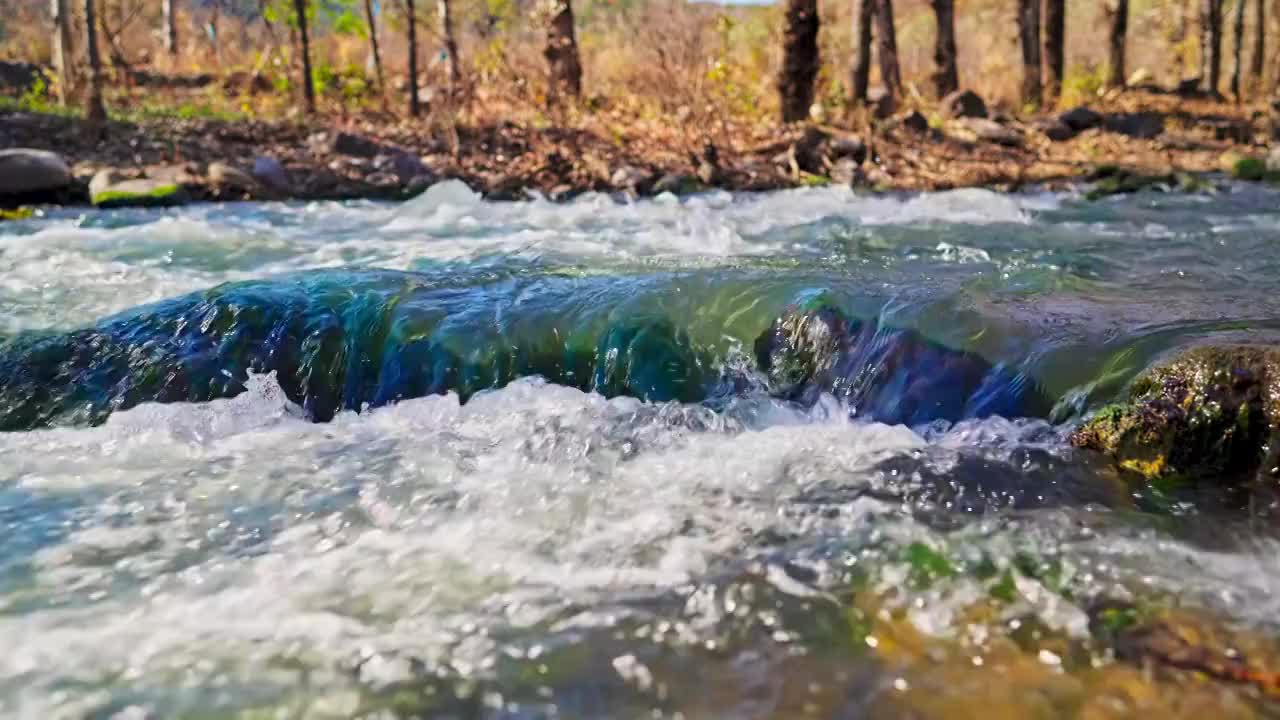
[1243, 167]
[22, 213]
[1122, 182]
[1210, 412]
[139, 193]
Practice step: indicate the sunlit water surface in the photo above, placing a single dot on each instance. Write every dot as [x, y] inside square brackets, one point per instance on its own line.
[543, 552]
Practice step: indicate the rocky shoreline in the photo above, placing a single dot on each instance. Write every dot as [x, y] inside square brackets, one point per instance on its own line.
[1132, 141]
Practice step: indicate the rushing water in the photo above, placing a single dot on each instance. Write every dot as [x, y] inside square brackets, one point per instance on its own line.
[563, 538]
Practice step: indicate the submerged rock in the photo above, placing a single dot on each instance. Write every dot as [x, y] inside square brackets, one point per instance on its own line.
[1210, 411]
[891, 375]
[350, 339]
[1111, 180]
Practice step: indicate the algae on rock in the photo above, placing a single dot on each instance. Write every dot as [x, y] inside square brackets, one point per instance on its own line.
[1211, 411]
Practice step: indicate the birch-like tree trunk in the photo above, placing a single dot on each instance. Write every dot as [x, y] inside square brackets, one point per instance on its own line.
[63, 49]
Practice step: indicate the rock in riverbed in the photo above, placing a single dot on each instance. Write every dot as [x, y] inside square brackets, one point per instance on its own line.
[111, 189]
[271, 174]
[25, 171]
[226, 177]
[1080, 118]
[964, 104]
[1208, 412]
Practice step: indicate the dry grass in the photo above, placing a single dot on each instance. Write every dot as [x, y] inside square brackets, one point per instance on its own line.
[707, 70]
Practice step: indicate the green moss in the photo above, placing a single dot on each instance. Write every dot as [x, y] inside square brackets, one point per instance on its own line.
[158, 195]
[1208, 413]
[22, 213]
[927, 565]
[1006, 590]
[1115, 620]
[1249, 168]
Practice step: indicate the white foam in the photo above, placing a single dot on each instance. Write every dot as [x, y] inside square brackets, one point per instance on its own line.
[387, 531]
[70, 271]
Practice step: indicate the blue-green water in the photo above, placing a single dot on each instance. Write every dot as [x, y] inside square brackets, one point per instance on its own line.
[624, 518]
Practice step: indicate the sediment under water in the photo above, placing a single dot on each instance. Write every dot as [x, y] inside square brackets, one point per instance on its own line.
[797, 454]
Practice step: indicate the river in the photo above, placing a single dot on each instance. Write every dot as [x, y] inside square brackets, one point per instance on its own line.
[681, 542]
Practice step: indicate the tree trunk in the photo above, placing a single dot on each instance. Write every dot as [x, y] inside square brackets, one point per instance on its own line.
[170, 28]
[1237, 58]
[1029, 39]
[216, 43]
[63, 49]
[414, 106]
[450, 46]
[946, 78]
[95, 112]
[800, 60]
[1213, 44]
[308, 90]
[1054, 16]
[863, 13]
[1119, 34]
[1259, 43]
[562, 55]
[887, 49]
[1186, 11]
[1204, 41]
[373, 45]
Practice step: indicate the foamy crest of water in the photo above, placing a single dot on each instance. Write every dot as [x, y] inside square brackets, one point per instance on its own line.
[70, 270]
[223, 538]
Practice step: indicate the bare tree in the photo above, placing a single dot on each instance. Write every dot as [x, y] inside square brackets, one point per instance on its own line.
[1259, 43]
[170, 31]
[450, 46]
[1029, 39]
[799, 59]
[63, 49]
[863, 14]
[308, 89]
[946, 77]
[412, 22]
[372, 20]
[887, 49]
[1119, 12]
[95, 112]
[1211, 47]
[1054, 16]
[561, 53]
[1237, 57]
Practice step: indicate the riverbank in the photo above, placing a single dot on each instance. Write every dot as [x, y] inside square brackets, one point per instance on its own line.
[1146, 132]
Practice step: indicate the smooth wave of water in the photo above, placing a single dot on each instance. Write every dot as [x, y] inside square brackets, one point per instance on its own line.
[540, 550]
